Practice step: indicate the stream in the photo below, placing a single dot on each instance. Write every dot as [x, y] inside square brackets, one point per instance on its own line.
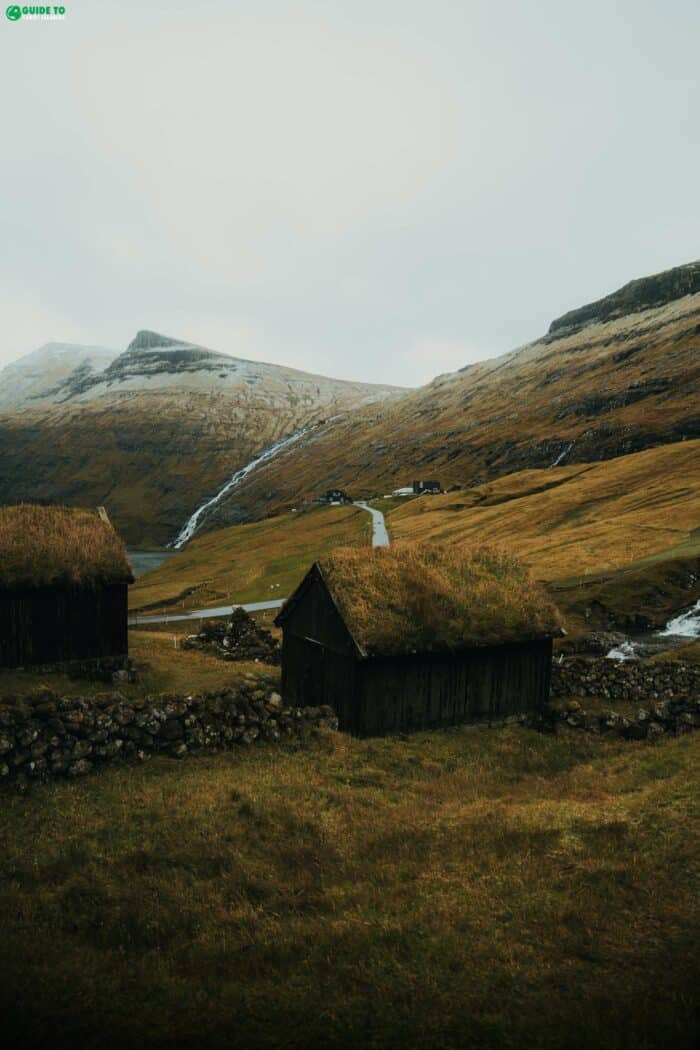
[191, 526]
[678, 631]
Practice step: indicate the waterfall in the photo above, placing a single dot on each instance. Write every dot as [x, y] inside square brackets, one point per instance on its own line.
[189, 529]
[564, 452]
[687, 625]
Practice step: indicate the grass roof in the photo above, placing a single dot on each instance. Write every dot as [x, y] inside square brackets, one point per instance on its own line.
[433, 597]
[40, 546]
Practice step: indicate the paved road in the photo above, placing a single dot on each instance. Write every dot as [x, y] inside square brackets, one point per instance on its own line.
[380, 537]
[205, 614]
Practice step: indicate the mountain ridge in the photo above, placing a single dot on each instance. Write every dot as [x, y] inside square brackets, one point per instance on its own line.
[158, 430]
[164, 426]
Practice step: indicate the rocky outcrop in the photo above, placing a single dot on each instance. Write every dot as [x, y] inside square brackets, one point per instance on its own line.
[46, 736]
[638, 295]
[238, 638]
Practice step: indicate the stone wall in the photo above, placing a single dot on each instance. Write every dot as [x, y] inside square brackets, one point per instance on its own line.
[665, 717]
[114, 669]
[615, 680]
[46, 736]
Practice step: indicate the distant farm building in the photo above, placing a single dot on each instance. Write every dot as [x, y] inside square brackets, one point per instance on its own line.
[426, 486]
[334, 496]
[63, 586]
[417, 637]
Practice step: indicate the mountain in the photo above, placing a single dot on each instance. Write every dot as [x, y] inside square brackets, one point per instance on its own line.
[613, 377]
[50, 373]
[161, 428]
[154, 431]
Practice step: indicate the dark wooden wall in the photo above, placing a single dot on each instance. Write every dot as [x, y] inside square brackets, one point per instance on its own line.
[427, 691]
[52, 624]
[318, 656]
[313, 675]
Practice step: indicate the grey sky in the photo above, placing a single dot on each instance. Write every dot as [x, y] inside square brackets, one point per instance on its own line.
[370, 189]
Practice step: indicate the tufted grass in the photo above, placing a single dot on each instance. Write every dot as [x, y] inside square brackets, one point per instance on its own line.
[413, 597]
[41, 546]
[464, 889]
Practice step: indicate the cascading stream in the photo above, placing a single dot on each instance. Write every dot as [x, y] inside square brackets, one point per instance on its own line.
[189, 529]
[687, 625]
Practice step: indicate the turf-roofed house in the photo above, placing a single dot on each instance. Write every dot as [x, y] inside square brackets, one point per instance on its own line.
[417, 637]
[64, 576]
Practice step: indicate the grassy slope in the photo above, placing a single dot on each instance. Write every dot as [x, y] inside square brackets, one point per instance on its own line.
[614, 534]
[613, 539]
[469, 889]
[250, 562]
[610, 389]
[588, 517]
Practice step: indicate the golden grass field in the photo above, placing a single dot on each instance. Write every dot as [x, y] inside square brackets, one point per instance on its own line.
[568, 521]
[250, 562]
[465, 889]
[500, 889]
[621, 533]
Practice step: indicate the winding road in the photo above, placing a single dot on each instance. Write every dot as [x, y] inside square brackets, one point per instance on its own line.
[205, 614]
[380, 538]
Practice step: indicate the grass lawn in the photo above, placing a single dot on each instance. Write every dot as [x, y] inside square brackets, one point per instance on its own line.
[466, 889]
[162, 669]
[247, 563]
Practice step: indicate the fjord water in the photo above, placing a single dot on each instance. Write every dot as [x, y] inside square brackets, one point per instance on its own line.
[143, 561]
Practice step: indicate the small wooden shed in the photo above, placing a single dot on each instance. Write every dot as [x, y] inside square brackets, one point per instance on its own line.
[417, 637]
[64, 576]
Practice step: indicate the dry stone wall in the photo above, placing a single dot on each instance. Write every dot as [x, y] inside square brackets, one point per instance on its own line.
[668, 694]
[616, 680]
[45, 736]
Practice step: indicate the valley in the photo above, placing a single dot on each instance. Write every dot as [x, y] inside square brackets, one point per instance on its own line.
[603, 387]
[573, 833]
[616, 542]
[159, 431]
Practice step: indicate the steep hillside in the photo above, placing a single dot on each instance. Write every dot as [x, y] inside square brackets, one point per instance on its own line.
[159, 430]
[570, 521]
[49, 373]
[618, 541]
[618, 376]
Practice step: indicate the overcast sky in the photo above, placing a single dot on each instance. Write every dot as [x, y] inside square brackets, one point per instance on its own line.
[369, 189]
